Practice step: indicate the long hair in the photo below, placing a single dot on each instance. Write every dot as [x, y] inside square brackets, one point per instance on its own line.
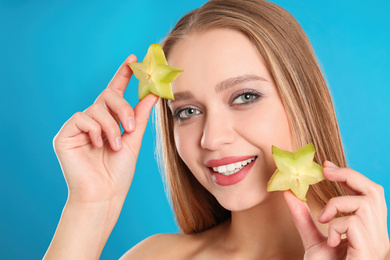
[291, 61]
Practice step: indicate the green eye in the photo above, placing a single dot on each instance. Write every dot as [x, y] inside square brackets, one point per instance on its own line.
[185, 113]
[246, 97]
[188, 112]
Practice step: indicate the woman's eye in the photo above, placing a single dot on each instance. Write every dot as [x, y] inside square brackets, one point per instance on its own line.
[245, 98]
[185, 113]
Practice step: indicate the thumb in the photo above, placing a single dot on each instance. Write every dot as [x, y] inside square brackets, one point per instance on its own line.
[307, 228]
[141, 116]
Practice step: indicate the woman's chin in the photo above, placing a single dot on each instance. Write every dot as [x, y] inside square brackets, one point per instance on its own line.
[244, 201]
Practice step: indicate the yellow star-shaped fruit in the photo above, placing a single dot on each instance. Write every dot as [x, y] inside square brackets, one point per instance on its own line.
[295, 171]
[154, 73]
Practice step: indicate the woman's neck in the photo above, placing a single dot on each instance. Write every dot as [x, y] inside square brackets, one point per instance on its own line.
[265, 230]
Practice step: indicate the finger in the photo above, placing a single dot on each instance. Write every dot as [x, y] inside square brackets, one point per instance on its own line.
[307, 228]
[122, 77]
[372, 216]
[141, 115]
[344, 204]
[119, 107]
[108, 124]
[81, 123]
[356, 182]
[329, 166]
[353, 228]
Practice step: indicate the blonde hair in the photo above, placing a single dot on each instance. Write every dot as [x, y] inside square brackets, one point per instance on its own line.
[304, 93]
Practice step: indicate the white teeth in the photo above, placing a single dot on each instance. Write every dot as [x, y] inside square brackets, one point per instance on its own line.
[232, 168]
[222, 168]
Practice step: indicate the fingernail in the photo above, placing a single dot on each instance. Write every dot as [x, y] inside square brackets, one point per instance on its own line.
[131, 123]
[331, 166]
[319, 215]
[100, 141]
[118, 142]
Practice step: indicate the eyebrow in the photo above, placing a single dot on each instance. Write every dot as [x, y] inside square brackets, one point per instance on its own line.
[222, 86]
[231, 82]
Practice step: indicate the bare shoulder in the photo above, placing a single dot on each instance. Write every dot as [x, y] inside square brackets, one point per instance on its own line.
[163, 246]
[387, 257]
[178, 245]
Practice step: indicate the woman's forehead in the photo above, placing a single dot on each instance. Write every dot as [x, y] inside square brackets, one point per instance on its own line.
[215, 55]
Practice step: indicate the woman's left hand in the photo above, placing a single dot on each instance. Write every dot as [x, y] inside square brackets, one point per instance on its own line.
[365, 229]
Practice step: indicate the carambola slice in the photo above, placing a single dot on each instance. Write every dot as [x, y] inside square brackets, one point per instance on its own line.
[154, 73]
[295, 171]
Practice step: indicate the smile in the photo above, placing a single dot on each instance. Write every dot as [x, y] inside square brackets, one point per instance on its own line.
[232, 168]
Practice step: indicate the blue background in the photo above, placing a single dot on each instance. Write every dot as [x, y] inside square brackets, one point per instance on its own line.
[57, 56]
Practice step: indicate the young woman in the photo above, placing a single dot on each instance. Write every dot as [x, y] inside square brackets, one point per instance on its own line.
[250, 81]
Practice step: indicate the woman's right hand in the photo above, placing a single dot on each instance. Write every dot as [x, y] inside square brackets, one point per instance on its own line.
[97, 161]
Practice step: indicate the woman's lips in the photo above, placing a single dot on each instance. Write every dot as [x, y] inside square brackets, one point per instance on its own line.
[227, 160]
[225, 180]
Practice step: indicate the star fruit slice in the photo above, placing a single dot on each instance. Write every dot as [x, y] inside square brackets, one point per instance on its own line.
[295, 171]
[154, 74]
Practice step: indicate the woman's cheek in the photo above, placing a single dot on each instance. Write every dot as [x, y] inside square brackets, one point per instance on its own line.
[180, 143]
[186, 141]
[264, 128]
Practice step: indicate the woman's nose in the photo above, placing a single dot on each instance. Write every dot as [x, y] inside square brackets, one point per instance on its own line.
[217, 132]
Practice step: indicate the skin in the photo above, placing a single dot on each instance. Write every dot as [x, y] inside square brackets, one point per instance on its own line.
[224, 125]
[264, 225]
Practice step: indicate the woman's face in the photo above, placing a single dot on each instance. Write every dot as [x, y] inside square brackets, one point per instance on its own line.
[227, 115]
